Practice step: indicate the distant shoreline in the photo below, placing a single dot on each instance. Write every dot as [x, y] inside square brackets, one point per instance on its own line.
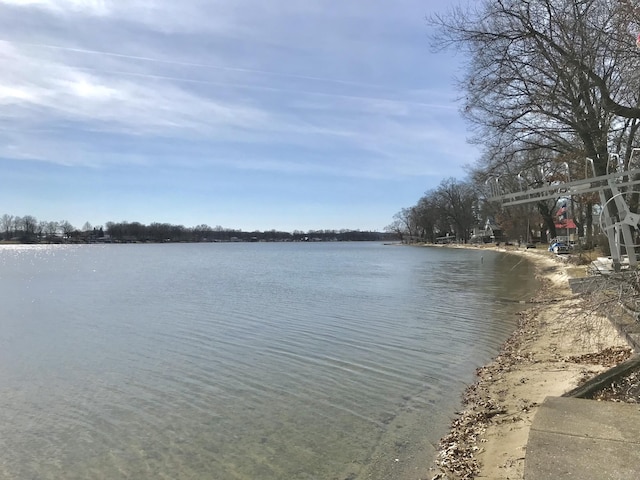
[264, 237]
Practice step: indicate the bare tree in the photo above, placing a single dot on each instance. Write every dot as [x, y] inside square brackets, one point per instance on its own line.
[41, 229]
[66, 228]
[428, 217]
[457, 202]
[52, 228]
[547, 75]
[29, 226]
[6, 223]
[396, 227]
[405, 225]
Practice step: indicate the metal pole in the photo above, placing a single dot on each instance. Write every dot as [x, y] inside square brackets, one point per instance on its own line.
[570, 214]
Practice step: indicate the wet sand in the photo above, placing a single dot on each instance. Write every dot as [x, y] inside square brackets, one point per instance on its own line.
[557, 346]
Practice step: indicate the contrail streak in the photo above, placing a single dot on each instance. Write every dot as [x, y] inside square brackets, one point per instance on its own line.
[265, 88]
[194, 64]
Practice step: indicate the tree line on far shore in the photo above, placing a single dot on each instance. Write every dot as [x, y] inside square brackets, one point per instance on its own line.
[28, 229]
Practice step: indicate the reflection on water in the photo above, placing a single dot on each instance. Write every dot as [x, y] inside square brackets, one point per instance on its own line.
[241, 361]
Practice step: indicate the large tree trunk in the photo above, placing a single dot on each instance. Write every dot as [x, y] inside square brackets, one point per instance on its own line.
[589, 220]
[549, 223]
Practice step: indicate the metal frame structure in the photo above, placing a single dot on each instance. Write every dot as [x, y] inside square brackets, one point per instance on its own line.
[616, 219]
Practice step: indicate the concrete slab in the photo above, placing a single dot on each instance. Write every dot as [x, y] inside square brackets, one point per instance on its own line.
[573, 438]
[552, 456]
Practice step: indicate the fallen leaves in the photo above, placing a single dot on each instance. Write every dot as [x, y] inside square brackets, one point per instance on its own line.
[608, 357]
[626, 389]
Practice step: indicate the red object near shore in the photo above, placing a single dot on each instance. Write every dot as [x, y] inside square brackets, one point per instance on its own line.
[569, 223]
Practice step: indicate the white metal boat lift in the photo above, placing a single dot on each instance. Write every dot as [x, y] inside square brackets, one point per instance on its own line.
[617, 221]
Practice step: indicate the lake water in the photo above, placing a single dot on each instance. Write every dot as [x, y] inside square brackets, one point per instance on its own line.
[242, 361]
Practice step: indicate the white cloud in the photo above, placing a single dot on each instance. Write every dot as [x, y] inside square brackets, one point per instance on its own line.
[15, 95]
[92, 7]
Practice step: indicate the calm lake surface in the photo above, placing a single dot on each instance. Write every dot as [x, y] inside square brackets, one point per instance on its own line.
[242, 361]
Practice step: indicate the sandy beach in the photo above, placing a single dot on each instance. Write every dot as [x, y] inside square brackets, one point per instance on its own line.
[557, 346]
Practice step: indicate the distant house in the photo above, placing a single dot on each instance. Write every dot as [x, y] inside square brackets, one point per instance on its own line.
[490, 233]
[446, 239]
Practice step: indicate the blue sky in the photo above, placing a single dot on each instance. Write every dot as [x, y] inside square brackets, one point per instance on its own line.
[248, 114]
